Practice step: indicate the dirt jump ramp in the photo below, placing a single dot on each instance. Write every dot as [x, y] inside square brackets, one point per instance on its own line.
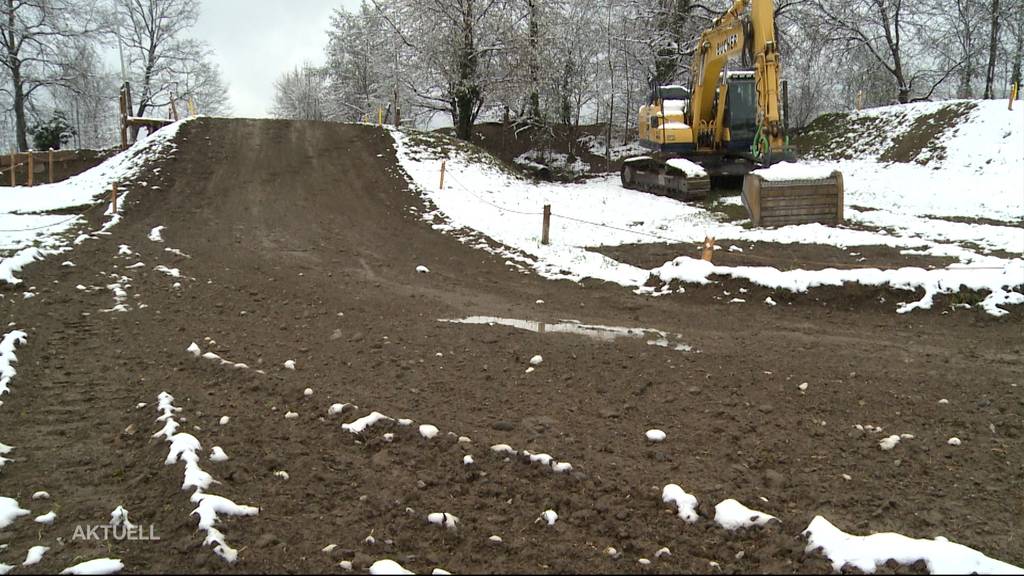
[295, 247]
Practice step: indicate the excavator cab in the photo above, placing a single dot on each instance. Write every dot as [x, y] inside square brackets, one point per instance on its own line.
[740, 111]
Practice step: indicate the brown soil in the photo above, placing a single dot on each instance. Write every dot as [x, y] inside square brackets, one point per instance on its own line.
[781, 256]
[508, 142]
[293, 223]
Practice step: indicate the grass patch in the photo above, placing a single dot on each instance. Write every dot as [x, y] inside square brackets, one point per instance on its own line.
[892, 134]
[923, 142]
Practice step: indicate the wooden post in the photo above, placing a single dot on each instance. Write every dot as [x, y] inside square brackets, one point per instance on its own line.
[545, 233]
[31, 168]
[174, 111]
[13, 182]
[1013, 95]
[441, 186]
[124, 120]
[709, 248]
[398, 110]
[49, 163]
[840, 196]
[113, 198]
[860, 100]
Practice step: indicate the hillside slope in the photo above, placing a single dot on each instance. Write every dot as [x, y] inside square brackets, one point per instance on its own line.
[960, 158]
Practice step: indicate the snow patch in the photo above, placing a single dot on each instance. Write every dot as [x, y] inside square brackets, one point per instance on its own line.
[7, 357]
[10, 511]
[186, 448]
[686, 504]
[361, 424]
[97, 566]
[867, 553]
[35, 555]
[449, 521]
[732, 515]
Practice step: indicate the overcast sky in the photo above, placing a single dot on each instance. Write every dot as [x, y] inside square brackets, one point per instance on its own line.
[254, 41]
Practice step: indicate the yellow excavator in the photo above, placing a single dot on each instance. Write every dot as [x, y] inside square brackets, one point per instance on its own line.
[726, 122]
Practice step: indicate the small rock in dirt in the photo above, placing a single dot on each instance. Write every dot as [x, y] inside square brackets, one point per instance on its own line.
[503, 426]
[336, 335]
[693, 390]
[655, 435]
[765, 408]
[267, 540]
[774, 479]
[954, 441]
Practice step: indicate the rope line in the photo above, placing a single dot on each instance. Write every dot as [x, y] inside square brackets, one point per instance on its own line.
[675, 240]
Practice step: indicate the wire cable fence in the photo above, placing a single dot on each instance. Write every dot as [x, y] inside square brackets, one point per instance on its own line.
[671, 240]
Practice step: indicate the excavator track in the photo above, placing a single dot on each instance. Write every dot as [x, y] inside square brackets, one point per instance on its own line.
[655, 176]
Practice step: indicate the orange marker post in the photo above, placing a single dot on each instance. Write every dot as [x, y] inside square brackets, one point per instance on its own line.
[709, 248]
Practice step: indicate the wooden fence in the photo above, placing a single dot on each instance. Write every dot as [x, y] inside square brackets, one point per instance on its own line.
[33, 168]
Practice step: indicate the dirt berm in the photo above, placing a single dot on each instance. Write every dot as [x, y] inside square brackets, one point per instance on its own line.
[302, 245]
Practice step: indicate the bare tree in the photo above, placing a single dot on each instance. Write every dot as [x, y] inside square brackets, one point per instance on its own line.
[34, 37]
[88, 97]
[993, 47]
[163, 63]
[302, 94]
[453, 48]
[359, 58]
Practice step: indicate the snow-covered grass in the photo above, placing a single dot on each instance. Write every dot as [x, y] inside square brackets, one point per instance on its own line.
[536, 159]
[596, 146]
[30, 230]
[972, 167]
[480, 199]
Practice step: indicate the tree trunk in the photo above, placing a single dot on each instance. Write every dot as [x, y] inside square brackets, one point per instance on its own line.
[1018, 56]
[467, 91]
[966, 15]
[17, 82]
[993, 45]
[534, 67]
[21, 127]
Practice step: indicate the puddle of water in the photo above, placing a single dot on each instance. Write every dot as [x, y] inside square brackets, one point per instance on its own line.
[594, 332]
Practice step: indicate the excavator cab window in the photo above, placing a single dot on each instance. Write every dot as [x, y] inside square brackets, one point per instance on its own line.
[741, 113]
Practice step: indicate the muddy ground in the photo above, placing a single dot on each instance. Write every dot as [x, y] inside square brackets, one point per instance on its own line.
[302, 243]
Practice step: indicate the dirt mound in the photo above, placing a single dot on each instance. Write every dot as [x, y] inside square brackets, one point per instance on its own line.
[300, 241]
[554, 152]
